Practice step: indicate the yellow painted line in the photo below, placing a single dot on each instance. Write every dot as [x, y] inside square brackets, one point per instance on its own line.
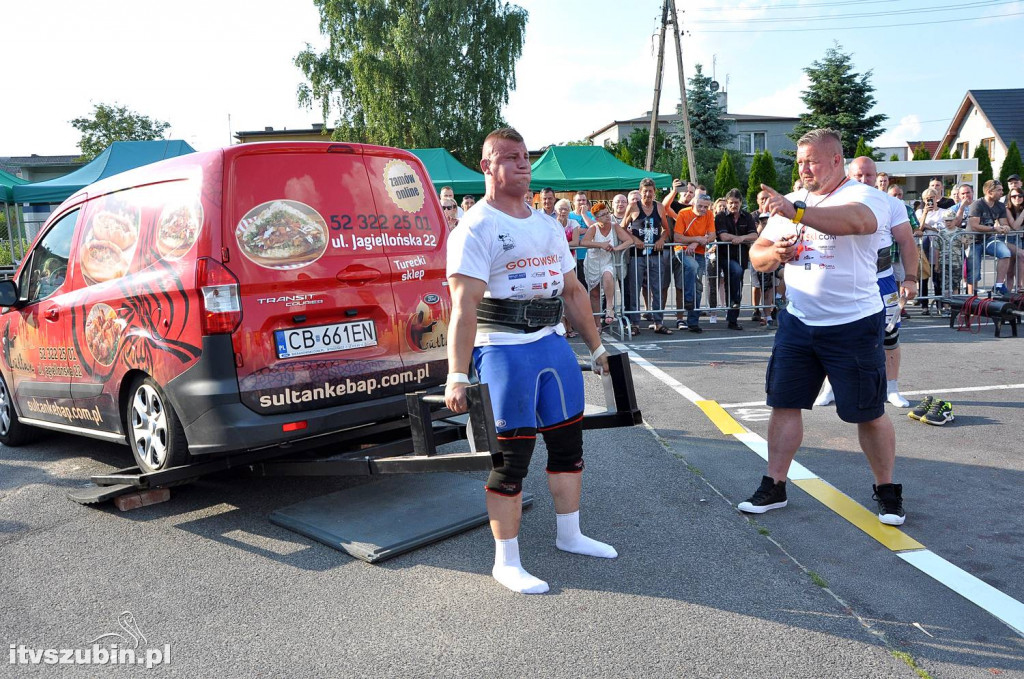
[867, 521]
[722, 419]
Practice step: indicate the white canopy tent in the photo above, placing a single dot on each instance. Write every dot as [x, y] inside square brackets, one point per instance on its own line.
[965, 171]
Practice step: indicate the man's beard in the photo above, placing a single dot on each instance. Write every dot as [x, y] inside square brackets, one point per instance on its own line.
[811, 185]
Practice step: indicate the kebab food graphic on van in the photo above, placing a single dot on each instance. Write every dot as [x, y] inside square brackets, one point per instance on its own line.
[282, 234]
[111, 237]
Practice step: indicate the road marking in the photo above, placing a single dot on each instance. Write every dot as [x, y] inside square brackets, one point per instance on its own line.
[1004, 607]
[846, 507]
[988, 598]
[953, 390]
[722, 419]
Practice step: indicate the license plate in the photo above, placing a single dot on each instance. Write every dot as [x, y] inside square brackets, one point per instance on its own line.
[323, 339]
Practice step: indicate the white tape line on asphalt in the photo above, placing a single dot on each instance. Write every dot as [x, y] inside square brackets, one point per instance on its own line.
[1004, 607]
[757, 444]
[953, 390]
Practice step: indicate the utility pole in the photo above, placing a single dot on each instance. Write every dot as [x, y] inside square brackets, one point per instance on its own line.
[668, 16]
[688, 140]
[649, 163]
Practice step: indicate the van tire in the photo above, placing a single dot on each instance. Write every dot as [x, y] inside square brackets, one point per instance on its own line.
[12, 432]
[153, 430]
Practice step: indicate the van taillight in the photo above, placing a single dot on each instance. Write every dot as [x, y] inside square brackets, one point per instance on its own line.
[220, 304]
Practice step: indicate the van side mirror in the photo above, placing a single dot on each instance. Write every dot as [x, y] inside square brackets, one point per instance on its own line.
[8, 293]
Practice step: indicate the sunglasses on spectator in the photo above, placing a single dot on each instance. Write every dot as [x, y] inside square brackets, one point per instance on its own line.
[1017, 195]
[449, 207]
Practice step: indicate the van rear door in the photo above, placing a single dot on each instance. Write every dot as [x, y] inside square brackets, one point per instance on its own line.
[412, 232]
[318, 322]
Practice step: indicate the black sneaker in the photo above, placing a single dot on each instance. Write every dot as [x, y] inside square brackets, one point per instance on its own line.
[769, 495]
[735, 326]
[756, 316]
[921, 409]
[890, 503]
[939, 414]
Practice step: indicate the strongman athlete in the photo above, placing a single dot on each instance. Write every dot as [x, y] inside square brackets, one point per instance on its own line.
[511, 275]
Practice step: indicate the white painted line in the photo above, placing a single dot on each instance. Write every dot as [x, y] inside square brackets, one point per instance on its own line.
[952, 390]
[641, 339]
[663, 376]
[797, 471]
[1002, 606]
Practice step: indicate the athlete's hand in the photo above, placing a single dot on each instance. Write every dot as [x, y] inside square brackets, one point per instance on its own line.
[786, 248]
[908, 290]
[600, 365]
[455, 397]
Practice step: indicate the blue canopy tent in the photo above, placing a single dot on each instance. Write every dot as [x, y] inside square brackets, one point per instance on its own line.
[118, 157]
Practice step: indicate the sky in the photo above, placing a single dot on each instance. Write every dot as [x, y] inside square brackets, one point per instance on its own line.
[214, 67]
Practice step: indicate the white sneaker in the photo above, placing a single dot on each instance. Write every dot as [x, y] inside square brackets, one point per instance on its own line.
[896, 398]
[826, 397]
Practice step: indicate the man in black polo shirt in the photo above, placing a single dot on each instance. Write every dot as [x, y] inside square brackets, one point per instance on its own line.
[738, 229]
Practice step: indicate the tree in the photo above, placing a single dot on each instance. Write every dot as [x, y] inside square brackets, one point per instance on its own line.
[894, 157]
[795, 175]
[579, 142]
[955, 155]
[921, 153]
[840, 99]
[725, 176]
[415, 73]
[984, 165]
[707, 129]
[633, 149]
[109, 123]
[771, 177]
[943, 152]
[862, 149]
[755, 178]
[1011, 165]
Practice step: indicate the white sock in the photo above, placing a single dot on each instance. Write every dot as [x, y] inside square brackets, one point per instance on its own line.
[893, 395]
[827, 396]
[509, 572]
[570, 539]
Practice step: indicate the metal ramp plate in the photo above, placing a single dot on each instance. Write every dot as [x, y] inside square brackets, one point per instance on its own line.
[392, 515]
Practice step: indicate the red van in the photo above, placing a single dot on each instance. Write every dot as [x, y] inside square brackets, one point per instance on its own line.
[229, 300]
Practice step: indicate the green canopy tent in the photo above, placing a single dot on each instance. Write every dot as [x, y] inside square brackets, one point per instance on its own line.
[445, 170]
[118, 157]
[7, 184]
[588, 168]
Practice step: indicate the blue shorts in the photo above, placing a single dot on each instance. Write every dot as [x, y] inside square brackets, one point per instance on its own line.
[890, 292]
[850, 354]
[532, 385]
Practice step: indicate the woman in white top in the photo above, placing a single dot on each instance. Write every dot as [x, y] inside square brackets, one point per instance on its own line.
[602, 240]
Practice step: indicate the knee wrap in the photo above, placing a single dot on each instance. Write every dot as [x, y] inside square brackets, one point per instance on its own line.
[516, 446]
[892, 339]
[564, 442]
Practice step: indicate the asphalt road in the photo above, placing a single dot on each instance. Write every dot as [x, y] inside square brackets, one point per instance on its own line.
[698, 589]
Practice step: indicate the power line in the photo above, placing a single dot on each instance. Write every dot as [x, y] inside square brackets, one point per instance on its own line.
[857, 28]
[926, 10]
[843, 3]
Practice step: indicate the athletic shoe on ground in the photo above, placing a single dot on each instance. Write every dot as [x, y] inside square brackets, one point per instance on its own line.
[890, 503]
[921, 409]
[769, 495]
[826, 398]
[896, 398]
[755, 317]
[1000, 289]
[939, 414]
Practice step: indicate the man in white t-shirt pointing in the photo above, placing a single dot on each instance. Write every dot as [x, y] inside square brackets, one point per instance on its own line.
[826, 235]
[511, 272]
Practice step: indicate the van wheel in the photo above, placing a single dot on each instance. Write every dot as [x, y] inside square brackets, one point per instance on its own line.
[12, 431]
[154, 431]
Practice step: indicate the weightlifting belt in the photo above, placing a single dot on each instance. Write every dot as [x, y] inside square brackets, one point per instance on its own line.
[884, 259]
[513, 315]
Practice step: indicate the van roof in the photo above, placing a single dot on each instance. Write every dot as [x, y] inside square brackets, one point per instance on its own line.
[180, 166]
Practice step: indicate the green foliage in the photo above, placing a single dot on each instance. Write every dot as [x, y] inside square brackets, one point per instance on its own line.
[984, 165]
[415, 73]
[109, 123]
[579, 142]
[840, 99]
[921, 153]
[1011, 165]
[755, 177]
[684, 171]
[771, 176]
[707, 129]
[725, 176]
[794, 176]
[894, 157]
[943, 152]
[624, 154]
[862, 149]
[955, 155]
[633, 150]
